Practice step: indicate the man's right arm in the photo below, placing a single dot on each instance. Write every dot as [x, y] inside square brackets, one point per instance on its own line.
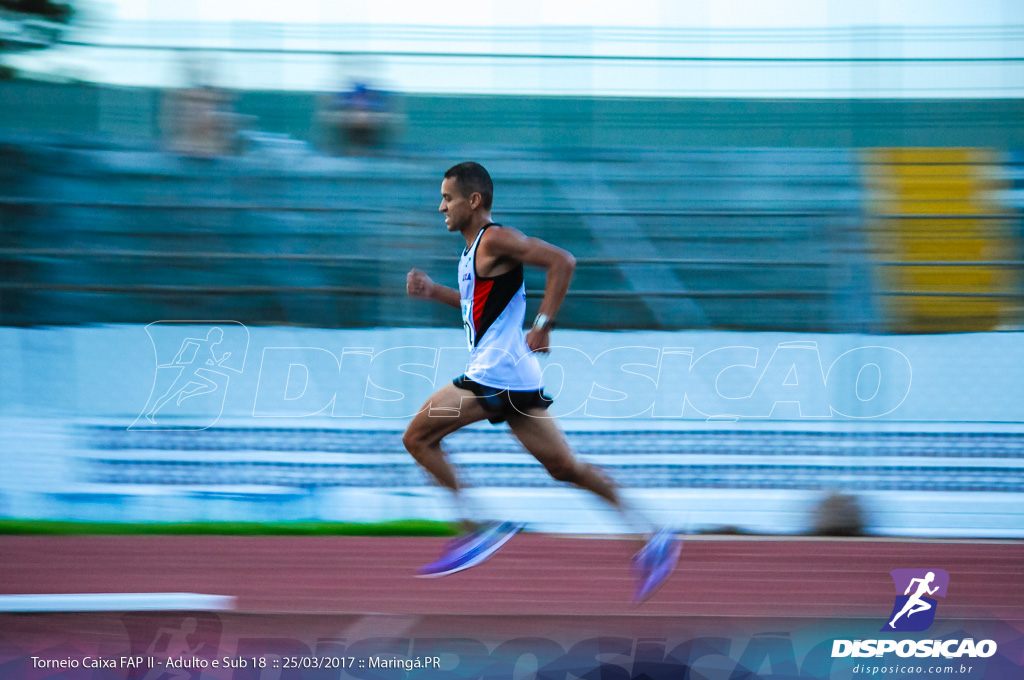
[419, 285]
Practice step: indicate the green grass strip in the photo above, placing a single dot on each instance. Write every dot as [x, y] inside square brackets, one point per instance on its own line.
[405, 527]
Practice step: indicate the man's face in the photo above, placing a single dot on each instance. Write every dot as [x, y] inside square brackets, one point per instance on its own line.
[457, 209]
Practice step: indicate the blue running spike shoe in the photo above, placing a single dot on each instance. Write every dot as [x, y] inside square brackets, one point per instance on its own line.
[472, 549]
[655, 563]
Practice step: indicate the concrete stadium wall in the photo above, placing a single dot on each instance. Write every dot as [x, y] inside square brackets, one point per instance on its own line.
[926, 431]
[109, 372]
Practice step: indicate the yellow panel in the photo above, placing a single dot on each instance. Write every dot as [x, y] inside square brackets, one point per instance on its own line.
[950, 279]
[960, 250]
[904, 173]
[930, 188]
[917, 156]
[952, 181]
[937, 206]
[942, 228]
[943, 307]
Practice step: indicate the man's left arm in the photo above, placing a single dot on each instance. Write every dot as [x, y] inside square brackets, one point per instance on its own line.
[559, 265]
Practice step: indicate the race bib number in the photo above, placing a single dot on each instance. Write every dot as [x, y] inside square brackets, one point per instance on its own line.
[467, 323]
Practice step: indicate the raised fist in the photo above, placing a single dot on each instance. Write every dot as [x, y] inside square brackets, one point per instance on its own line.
[418, 284]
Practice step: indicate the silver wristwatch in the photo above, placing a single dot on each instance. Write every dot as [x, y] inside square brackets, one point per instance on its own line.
[541, 322]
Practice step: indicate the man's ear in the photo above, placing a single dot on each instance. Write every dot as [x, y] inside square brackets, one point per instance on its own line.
[475, 199]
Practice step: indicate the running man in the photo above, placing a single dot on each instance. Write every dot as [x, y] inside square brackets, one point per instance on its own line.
[503, 381]
[915, 604]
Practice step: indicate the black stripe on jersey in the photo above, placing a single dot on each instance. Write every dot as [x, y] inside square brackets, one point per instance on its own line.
[503, 289]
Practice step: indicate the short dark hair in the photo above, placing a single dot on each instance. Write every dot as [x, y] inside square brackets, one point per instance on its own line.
[473, 178]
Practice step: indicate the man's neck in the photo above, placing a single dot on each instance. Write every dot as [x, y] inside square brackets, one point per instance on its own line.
[479, 222]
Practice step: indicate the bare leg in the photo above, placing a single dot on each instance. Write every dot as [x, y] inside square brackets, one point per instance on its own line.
[542, 437]
[447, 410]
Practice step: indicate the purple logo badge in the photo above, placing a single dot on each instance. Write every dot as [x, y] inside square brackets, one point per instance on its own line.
[914, 609]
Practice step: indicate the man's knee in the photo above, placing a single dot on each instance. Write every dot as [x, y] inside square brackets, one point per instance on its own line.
[418, 440]
[413, 440]
[570, 471]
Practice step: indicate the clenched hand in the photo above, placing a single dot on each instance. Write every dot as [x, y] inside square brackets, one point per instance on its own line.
[419, 285]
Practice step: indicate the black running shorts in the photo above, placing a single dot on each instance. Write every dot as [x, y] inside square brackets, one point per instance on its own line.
[503, 402]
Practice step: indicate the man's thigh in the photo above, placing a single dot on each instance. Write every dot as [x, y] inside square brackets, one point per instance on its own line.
[540, 434]
[445, 411]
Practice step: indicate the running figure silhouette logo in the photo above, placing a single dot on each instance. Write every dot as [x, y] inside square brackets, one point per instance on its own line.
[173, 643]
[185, 639]
[194, 363]
[914, 608]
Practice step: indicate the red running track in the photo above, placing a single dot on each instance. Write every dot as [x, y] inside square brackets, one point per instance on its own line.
[533, 575]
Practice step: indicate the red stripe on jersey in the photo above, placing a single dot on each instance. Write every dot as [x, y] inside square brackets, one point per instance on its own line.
[481, 289]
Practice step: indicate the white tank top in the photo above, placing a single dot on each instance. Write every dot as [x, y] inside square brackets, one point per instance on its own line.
[493, 310]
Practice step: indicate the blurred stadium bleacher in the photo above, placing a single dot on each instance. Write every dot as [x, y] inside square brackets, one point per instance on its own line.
[797, 239]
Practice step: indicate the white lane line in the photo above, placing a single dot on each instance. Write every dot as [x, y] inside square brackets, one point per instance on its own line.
[96, 602]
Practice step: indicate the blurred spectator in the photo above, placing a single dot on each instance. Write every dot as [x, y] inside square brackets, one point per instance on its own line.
[358, 119]
[197, 119]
